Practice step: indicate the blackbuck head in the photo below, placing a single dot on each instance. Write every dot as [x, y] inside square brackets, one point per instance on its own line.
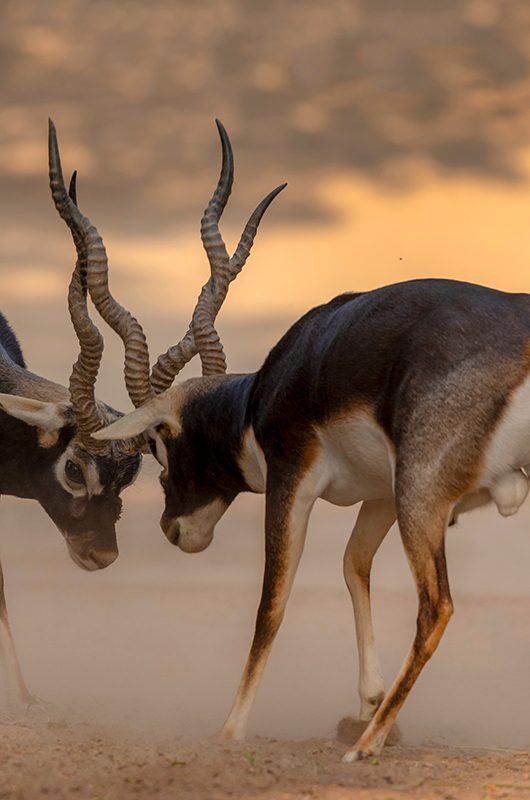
[76, 479]
[174, 420]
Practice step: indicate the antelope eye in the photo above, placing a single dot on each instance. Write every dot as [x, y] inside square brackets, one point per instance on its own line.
[73, 472]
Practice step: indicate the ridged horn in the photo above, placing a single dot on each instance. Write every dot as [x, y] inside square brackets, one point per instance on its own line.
[242, 252]
[85, 369]
[120, 320]
[206, 337]
[136, 369]
[202, 336]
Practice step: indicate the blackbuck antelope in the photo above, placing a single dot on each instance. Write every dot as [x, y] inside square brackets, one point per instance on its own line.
[412, 398]
[47, 453]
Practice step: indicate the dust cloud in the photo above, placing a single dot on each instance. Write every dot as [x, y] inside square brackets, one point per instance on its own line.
[156, 643]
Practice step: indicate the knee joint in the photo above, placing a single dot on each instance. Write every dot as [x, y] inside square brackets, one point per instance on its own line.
[432, 621]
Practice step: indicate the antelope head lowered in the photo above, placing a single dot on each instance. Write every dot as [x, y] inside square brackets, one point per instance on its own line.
[183, 423]
[48, 451]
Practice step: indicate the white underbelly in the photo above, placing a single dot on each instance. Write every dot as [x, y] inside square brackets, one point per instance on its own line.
[358, 460]
[355, 461]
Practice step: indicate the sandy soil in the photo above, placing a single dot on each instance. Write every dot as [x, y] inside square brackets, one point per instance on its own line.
[140, 663]
[81, 760]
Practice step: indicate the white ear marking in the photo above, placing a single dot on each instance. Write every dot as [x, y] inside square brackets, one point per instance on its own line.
[49, 418]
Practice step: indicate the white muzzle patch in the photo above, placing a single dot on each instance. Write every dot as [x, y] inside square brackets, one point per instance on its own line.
[194, 532]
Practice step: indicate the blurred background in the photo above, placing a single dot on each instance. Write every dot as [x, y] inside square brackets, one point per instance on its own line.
[403, 129]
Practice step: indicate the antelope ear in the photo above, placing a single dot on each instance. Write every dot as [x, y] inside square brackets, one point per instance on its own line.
[153, 413]
[49, 418]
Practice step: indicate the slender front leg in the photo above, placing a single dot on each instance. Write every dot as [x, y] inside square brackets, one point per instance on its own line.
[375, 519]
[288, 505]
[423, 533]
[17, 694]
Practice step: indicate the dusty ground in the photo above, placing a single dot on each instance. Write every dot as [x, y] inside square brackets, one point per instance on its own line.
[140, 663]
[63, 760]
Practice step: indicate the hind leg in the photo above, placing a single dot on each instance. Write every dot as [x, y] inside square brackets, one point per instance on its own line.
[373, 523]
[17, 694]
[422, 525]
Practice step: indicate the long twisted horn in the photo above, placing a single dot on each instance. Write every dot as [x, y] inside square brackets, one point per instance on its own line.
[201, 336]
[136, 351]
[136, 368]
[206, 337]
[85, 369]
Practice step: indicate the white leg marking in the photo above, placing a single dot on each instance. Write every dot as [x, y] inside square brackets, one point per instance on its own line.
[373, 523]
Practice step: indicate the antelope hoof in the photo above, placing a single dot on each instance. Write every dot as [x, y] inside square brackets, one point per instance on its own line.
[355, 755]
[229, 734]
[22, 707]
[36, 702]
[367, 747]
[360, 754]
[35, 705]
